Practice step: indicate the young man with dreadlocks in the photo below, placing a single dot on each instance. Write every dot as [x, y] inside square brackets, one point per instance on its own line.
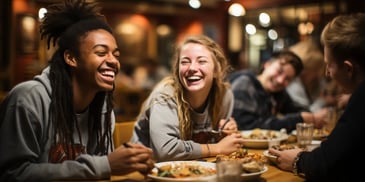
[60, 124]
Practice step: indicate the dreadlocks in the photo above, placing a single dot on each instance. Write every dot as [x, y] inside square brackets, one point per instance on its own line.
[65, 24]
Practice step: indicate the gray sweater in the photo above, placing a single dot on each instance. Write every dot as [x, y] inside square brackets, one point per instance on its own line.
[25, 138]
[158, 125]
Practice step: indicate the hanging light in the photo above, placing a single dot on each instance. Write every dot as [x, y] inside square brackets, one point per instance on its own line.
[264, 19]
[194, 4]
[250, 29]
[236, 9]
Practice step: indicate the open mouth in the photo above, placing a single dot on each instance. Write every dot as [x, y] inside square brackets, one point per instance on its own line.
[108, 75]
[192, 79]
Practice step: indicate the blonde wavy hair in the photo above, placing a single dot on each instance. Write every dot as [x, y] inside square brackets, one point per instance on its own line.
[217, 92]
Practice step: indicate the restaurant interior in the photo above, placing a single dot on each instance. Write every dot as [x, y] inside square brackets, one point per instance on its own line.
[146, 30]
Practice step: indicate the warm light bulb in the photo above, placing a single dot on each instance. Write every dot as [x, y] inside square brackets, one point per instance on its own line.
[236, 9]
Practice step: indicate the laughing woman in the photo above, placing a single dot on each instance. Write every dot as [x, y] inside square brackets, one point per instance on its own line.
[179, 114]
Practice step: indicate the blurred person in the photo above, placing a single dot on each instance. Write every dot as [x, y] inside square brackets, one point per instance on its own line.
[261, 100]
[177, 117]
[141, 74]
[150, 73]
[307, 87]
[343, 39]
[59, 126]
[329, 96]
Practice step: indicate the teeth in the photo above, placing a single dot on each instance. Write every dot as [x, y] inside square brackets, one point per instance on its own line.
[108, 73]
[193, 78]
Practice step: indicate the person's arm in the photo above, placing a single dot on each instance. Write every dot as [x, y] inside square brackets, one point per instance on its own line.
[25, 143]
[338, 152]
[165, 135]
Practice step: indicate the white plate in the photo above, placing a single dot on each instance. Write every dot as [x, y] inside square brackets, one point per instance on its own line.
[251, 176]
[190, 179]
[261, 143]
[272, 158]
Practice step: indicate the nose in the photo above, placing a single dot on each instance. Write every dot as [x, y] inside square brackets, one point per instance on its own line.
[193, 66]
[281, 80]
[113, 61]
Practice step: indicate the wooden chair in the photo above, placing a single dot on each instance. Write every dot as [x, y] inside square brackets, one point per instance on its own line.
[123, 132]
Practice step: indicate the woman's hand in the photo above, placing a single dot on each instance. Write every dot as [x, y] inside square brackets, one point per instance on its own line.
[130, 158]
[229, 127]
[228, 144]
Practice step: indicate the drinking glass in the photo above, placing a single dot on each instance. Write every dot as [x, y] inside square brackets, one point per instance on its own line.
[304, 134]
[229, 171]
[331, 119]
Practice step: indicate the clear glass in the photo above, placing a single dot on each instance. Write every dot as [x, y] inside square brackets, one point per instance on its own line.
[304, 134]
[229, 171]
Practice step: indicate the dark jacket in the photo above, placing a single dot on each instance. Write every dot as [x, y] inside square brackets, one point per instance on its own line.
[340, 157]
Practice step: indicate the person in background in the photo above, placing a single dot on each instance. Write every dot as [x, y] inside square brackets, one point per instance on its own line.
[343, 39]
[261, 100]
[59, 126]
[143, 76]
[150, 73]
[307, 87]
[330, 94]
[177, 118]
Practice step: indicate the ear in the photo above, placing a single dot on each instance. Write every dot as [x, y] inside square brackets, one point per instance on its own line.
[349, 68]
[70, 59]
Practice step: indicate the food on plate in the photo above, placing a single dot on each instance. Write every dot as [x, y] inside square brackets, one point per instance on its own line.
[284, 147]
[317, 133]
[251, 162]
[320, 132]
[261, 134]
[184, 170]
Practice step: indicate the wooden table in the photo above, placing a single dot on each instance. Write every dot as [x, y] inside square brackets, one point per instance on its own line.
[273, 174]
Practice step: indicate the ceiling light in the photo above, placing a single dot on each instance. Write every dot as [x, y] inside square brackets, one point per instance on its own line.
[194, 4]
[236, 9]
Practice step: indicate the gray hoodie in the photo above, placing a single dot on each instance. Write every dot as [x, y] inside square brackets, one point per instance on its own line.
[25, 138]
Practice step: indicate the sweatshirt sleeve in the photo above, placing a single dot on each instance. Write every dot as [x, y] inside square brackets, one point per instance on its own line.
[165, 135]
[25, 142]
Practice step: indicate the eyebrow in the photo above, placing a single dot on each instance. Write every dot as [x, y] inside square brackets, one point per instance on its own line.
[106, 47]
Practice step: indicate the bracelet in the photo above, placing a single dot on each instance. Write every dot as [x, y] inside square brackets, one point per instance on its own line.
[295, 163]
[208, 150]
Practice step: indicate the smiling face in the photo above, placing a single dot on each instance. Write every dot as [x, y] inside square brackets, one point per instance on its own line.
[276, 75]
[196, 68]
[96, 67]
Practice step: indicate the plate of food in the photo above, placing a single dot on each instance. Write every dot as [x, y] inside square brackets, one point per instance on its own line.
[272, 158]
[253, 175]
[259, 138]
[184, 171]
[253, 164]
